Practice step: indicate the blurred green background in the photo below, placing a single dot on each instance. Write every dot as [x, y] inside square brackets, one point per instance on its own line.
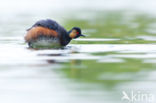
[118, 53]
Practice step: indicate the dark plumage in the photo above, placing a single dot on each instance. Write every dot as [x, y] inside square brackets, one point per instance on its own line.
[49, 34]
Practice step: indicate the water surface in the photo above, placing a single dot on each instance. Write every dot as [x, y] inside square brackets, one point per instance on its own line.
[118, 54]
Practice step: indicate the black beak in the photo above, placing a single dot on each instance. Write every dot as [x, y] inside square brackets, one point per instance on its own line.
[82, 35]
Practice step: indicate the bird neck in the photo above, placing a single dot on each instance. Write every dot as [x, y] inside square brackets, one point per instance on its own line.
[65, 39]
[69, 35]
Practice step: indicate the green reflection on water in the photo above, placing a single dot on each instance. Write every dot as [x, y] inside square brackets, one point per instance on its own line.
[92, 71]
[109, 24]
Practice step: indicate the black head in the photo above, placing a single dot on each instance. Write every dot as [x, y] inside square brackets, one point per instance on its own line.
[75, 32]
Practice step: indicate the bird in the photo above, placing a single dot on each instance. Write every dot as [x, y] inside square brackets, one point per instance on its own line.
[48, 33]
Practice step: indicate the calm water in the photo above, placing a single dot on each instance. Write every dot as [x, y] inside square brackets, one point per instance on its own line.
[118, 54]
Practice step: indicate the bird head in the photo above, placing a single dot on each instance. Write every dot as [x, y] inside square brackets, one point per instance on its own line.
[75, 32]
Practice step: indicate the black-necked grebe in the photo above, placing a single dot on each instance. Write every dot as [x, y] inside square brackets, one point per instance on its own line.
[49, 34]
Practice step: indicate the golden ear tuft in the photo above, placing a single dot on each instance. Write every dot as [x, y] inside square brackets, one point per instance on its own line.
[73, 34]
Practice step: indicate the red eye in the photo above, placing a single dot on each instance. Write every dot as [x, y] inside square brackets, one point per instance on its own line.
[77, 32]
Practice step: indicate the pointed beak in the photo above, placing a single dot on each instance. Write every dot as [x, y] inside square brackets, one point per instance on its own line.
[82, 35]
